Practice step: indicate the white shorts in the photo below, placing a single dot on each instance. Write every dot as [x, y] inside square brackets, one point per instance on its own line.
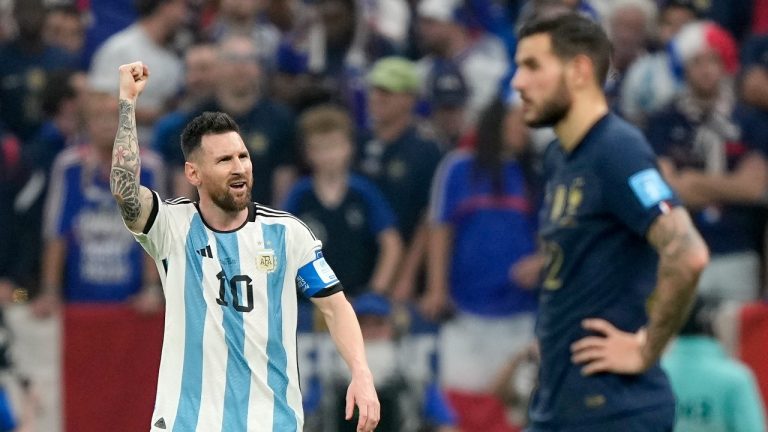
[473, 349]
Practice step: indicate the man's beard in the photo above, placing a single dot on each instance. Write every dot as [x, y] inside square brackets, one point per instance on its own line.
[227, 202]
[554, 109]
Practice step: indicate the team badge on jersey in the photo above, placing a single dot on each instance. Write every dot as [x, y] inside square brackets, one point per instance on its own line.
[265, 260]
[649, 187]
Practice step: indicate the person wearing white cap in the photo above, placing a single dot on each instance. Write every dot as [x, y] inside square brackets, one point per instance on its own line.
[483, 60]
[713, 153]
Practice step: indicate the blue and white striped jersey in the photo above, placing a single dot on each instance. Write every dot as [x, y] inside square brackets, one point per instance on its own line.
[229, 351]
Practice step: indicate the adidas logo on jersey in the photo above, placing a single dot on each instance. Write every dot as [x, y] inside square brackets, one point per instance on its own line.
[205, 252]
[160, 423]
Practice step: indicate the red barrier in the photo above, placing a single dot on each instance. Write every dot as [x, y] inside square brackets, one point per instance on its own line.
[111, 357]
[753, 343]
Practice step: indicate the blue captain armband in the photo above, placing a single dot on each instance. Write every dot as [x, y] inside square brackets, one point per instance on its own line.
[316, 276]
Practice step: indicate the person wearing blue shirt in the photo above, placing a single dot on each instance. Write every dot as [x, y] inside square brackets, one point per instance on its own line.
[479, 195]
[346, 211]
[27, 64]
[607, 224]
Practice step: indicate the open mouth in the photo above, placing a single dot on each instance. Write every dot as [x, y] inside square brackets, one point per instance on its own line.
[238, 186]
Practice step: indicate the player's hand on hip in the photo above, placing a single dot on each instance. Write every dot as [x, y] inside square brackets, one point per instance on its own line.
[611, 350]
[361, 393]
[133, 78]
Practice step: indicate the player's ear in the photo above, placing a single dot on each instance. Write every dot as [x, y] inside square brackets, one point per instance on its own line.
[192, 173]
[580, 70]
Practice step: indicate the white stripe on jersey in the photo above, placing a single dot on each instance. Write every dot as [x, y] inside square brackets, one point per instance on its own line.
[229, 352]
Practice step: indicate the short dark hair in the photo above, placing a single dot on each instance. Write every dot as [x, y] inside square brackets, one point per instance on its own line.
[57, 90]
[145, 8]
[63, 8]
[207, 123]
[573, 34]
[701, 319]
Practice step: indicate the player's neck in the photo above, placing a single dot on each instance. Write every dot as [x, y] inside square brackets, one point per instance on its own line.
[218, 218]
[586, 110]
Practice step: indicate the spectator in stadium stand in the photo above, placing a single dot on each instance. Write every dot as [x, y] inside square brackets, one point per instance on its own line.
[482, 58]
[713, 152]
[753, 88]
[714, 392]
[65, 28]
[487, 192]
[27, 61]
[400, 161]
[447, 94]
[650, 82]
[88, 255]
[147, 38]
[62, 128]
[630, 25]
[200, 63]
[268, 128]
[246, 18]
[344, 210]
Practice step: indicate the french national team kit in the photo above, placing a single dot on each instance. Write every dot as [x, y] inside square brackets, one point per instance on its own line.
[229, 351]
[601, 199]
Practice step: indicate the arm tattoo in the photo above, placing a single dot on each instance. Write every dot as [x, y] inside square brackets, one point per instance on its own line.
[124, 177]
[673, 241]
[674, 238]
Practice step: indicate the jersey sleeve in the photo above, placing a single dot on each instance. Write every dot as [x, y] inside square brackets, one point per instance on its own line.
[157, 235]
[314, 278]
[442, 202]
[633, 188]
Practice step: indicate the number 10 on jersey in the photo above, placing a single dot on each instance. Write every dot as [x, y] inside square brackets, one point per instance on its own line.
[234, 288]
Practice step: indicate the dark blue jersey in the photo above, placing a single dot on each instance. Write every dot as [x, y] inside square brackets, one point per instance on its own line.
[349, 230]
[601, 199]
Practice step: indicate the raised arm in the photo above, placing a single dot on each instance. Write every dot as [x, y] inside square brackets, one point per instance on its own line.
[134, 200]
[682, 257]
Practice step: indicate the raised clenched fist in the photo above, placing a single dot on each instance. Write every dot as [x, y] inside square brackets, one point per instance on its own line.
[133, 78]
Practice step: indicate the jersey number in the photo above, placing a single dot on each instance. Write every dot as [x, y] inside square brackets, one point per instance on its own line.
[554, 263]
[235, 291]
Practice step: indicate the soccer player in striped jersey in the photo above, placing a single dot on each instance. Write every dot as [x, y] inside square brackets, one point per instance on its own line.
[230, 268]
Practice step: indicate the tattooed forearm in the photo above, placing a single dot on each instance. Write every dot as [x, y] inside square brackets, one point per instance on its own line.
[682, 257]
[124, 177]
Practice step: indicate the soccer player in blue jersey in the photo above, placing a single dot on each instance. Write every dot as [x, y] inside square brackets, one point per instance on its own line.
[623, 255]
[230, 269]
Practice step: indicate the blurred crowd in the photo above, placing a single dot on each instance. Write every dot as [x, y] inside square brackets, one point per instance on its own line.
[390, 128]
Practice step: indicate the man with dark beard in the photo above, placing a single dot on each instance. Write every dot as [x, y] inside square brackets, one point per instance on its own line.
[609, 222]
[230, 270]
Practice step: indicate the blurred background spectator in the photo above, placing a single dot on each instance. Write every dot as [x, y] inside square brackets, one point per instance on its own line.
[714, 392]
[713, 152]
[477, 195]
